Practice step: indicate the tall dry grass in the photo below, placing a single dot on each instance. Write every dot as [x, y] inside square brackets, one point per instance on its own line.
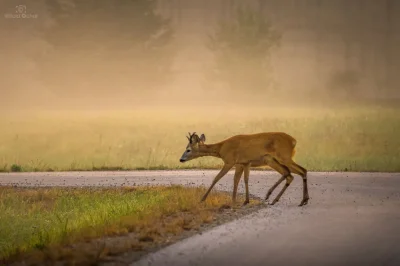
[352, 139]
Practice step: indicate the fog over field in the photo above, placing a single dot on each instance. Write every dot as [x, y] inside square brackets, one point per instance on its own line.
[96, 54]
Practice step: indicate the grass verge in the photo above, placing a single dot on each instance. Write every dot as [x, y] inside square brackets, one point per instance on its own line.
[65, 224]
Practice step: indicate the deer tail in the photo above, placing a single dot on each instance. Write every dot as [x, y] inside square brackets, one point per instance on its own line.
[294, 142]
[293, 152]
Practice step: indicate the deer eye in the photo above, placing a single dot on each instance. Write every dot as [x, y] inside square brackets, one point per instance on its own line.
[187, 150]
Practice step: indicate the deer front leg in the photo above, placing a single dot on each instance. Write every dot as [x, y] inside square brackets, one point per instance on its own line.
[246, 183]
[236, 180]
[225, 169]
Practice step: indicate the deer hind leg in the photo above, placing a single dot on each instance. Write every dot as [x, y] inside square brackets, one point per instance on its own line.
[238, 174]
[289, 179]
[225, 169]
[274, 186]
[285, 172]
[246, 183]
[277, 167]
[297, 169]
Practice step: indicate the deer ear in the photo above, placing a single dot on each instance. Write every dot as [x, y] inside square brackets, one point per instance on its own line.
[202, 138]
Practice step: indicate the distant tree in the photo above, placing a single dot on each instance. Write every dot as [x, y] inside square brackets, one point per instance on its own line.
[390, 47]
[344, 84]
[241, 47]
[118, 46]
[21, 46]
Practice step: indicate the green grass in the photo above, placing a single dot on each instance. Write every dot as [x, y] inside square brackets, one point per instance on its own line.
[342, 139]
[45, 218]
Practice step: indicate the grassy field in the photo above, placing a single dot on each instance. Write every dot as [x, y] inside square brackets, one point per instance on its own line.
[43, 219]
[341, 139]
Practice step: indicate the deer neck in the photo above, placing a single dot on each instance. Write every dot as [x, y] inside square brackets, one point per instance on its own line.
[209, 150]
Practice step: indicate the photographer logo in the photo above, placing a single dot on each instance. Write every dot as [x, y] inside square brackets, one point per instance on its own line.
[20, 13]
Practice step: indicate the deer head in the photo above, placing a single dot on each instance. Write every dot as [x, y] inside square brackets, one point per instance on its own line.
[192, 149]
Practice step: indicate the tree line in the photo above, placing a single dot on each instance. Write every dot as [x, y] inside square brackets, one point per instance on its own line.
[125, 46]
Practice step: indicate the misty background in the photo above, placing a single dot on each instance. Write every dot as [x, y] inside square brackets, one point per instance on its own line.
[122, 54]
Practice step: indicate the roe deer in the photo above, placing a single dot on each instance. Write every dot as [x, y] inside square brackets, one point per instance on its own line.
[273, 149]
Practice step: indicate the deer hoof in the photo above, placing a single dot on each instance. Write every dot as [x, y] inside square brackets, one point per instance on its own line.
[303, 202]
[273, 203]
[267, 196]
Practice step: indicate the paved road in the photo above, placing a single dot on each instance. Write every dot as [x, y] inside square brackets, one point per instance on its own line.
[351, 219]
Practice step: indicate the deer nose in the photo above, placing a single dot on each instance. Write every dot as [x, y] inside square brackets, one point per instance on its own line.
[181, 160]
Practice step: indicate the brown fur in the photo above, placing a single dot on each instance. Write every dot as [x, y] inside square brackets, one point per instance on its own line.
[273, 149]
